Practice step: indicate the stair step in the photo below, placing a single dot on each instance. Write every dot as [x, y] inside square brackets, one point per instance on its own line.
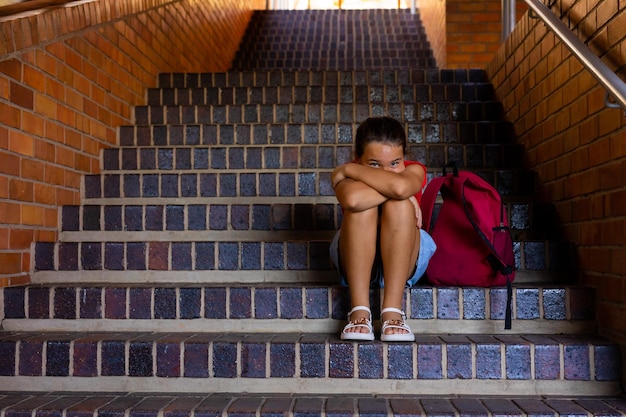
[277, 46]
[262, 251]
[319, 113]
[347, 62]
[528, 220]
[290, 77]
[254, 157]
[262, 183]
[242, 214]
[220, 183]
[286, 307]
[426, 94]
[229, 157]
[319, 363]
[272, 254]
[225, 215]
[191, 133]
[300, 404]
[396, 34]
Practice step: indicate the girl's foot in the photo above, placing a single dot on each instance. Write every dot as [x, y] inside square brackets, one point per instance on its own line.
[396, 330]
[358, 328]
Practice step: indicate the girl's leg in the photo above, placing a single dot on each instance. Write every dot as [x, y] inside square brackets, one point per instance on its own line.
[399, 246]
[357, 249]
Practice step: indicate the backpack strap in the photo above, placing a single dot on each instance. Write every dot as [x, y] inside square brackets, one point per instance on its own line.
[494, 258]
[429, 195]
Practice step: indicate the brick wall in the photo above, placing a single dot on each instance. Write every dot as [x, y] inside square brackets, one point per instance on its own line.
[576, 144]
[68, 79]
[464, 33]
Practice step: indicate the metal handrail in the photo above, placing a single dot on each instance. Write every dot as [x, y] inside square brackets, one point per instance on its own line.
[610, 81]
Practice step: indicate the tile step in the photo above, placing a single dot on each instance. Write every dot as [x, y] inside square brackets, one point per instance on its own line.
[260, 251]
[261, 183]
[253, 277]
[229, 157]
[255, 326]
[428, 96]
[470, 135]
[251, 157]
[313, 87]
[167, 404]
[282, 46]
[289, 77]
[295, 215]
[317, 363]
[312, 112]
[219, 215]
[287, 306]
[346, 62]
[411, 114]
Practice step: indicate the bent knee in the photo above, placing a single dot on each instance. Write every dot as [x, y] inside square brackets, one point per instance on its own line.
[364, 216]
[398, 206]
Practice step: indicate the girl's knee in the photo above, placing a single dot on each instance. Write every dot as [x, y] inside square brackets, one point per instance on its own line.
[370, 215]
[398, 208]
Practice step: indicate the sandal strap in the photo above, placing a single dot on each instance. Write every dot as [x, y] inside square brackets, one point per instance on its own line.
[362, 322]
[395, 323]
[393, 310]
[398, 324]
[359, 308]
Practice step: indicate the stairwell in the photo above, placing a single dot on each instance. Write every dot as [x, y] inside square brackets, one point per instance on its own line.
[194, 278]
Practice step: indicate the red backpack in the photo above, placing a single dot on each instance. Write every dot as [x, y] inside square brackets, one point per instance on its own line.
[471, 230]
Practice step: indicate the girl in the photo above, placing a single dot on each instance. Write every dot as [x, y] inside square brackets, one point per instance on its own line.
[380, 243]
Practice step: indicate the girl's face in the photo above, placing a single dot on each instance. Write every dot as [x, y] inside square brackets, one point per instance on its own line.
[384, 156]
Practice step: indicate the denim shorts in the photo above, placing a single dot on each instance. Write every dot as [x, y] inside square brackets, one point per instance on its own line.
[427, 249]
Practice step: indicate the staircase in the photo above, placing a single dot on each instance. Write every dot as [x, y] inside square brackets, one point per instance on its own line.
[194, 278]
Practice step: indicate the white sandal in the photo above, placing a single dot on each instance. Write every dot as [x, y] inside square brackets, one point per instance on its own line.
[362, 322]
[397, 324]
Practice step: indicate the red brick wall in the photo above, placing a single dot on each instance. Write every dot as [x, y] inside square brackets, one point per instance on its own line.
[576, 144]
[464, 33]
[69, 78]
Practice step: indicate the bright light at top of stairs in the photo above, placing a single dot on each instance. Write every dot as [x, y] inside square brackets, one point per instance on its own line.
[350, 4]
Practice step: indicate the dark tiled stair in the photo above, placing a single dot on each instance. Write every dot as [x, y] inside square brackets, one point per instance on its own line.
[316, 363]
[332, 40]
[286, 307]
[216, 405]
[196, 271]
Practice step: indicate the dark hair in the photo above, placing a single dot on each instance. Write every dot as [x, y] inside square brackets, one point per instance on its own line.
[379, 129]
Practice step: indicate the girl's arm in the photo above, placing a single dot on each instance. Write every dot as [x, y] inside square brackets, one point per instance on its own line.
[396, 185]
[357, 196]
[360, 187]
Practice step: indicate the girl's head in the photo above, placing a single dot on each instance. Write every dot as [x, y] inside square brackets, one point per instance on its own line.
[384, 129]
[381, 143]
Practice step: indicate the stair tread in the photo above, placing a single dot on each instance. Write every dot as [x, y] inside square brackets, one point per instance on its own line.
[289, 114]
[217, 404]
[320, 361]
[323, 77]
[302, 337]
[288, 306]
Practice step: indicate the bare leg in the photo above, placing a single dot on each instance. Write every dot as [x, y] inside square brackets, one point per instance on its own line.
[357, 248]
[399, 242]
